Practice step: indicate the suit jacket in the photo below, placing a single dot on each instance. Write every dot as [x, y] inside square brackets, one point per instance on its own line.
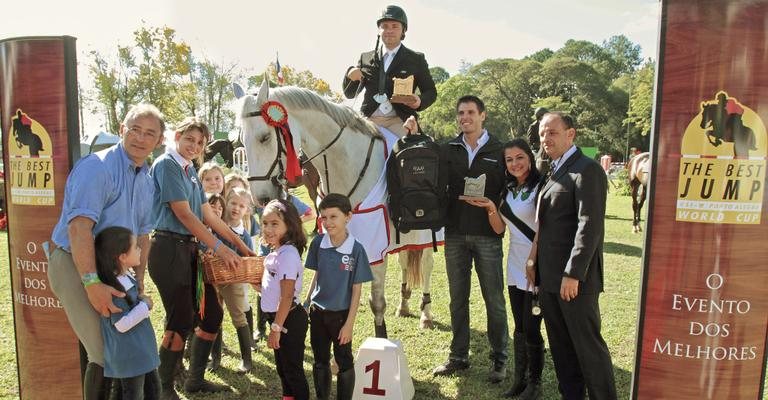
[406, 62]
[571, 225]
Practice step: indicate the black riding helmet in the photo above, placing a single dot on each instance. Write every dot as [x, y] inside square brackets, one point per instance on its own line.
[394, 13]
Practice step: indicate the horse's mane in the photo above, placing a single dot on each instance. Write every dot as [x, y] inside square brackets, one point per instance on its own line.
[300, 98]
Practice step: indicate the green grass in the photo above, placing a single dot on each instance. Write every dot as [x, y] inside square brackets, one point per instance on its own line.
[424, 348]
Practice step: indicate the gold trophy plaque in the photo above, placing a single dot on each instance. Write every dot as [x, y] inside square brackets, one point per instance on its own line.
[474, 188]
[403, 90]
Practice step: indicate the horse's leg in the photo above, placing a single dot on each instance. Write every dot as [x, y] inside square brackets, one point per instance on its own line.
[635, 214]
[403, 310]
[640, 206]
[377, 301]
[427, 262]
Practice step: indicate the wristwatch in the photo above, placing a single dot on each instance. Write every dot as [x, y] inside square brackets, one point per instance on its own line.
[277, 328]
[530, 263]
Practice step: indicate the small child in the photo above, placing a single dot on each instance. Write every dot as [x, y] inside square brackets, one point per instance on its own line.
[235, 295]
[341, 267]
[281, 287]
[217, 203]
[212, 178]
[130, 348]
[231, 181]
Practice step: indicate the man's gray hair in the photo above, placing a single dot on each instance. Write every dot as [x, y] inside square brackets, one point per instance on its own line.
[144, 110]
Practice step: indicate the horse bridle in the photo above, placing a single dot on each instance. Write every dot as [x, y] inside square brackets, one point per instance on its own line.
[280, 181]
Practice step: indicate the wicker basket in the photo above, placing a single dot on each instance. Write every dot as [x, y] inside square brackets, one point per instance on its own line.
[218, 273]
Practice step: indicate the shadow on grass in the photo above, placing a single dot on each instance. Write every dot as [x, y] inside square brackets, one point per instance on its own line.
[614, 217]
[622, 249]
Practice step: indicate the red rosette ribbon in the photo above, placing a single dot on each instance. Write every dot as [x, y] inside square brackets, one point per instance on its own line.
[276, 115]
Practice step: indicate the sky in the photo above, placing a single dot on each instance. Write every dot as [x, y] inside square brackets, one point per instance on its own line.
[326, 37]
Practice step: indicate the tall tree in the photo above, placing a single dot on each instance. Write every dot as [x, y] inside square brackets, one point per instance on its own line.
[151, 70]
[439, 74]
[624, 52]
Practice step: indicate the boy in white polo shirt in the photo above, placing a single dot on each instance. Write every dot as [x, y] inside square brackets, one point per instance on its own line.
[341, 266]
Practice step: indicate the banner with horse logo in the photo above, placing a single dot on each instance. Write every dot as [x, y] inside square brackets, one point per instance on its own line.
[31, 172]
[722, 164]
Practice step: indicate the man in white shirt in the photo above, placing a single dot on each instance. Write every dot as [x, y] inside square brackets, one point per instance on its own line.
[571, 214]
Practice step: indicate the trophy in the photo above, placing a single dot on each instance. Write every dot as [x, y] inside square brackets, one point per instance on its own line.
[474, 188]
[403, 90]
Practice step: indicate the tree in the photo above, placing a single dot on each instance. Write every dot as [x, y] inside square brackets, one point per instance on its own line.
[213, 91]
[152, 70]
[625, 53]
[293, 77]
[641, 100]
[439, 74]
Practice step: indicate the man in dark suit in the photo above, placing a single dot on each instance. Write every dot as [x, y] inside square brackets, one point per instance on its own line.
[571, 214]
[376, 69]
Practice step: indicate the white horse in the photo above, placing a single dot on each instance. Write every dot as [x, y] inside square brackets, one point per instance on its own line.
[348, 151]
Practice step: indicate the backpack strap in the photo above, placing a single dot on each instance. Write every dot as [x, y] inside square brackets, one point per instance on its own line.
[506, 211]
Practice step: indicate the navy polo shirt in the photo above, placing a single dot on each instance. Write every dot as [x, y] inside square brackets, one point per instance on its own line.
[337, 269]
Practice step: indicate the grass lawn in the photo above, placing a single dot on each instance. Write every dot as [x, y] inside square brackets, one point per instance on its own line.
[424, 348]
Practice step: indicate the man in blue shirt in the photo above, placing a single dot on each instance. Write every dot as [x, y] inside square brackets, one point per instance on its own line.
[108, 188]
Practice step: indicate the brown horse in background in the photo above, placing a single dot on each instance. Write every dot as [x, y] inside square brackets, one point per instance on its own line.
[638, 170]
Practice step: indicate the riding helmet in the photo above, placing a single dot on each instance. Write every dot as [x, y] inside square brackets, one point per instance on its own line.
[394, 13]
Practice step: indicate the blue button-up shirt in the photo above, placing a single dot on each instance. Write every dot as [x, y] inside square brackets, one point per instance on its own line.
[107, 188]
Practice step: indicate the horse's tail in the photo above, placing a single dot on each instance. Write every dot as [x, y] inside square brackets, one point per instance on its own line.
[413, 273]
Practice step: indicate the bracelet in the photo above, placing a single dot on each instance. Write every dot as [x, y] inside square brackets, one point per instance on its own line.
[492, 213]
[216, 246]
[90, 278]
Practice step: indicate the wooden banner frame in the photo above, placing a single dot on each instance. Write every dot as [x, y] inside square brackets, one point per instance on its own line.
[39, 120]
[702, 326]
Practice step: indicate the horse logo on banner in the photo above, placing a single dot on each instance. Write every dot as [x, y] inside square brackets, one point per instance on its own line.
[722, 164]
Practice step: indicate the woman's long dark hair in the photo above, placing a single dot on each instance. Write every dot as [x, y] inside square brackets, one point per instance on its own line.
[110, 244]
[534, 176]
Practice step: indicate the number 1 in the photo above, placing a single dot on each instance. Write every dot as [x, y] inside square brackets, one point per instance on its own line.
[374, 389]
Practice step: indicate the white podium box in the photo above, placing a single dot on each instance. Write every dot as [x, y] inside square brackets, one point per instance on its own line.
[381, 371]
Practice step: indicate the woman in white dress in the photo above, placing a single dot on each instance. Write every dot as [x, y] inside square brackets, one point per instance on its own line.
[516, 211]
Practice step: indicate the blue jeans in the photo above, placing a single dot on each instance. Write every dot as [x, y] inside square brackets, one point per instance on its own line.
[486, 251]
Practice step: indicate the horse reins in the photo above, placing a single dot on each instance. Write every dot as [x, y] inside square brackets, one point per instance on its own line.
[325, 161]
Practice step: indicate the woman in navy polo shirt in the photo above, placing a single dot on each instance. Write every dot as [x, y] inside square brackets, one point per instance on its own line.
[180, 208]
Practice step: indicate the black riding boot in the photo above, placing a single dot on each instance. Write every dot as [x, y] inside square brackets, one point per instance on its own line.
[215, 361]
[322, 377]
[521, 366]
[261, 322]
[196, 382]
[249, 318]
[167, 372]
[535, 366]
[345, 384]
[245, 339]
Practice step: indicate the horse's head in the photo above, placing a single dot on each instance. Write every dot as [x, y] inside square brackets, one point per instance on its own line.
[707, 114]
[265, 161]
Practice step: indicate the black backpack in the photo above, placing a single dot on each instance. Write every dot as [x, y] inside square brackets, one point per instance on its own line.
[417, 198]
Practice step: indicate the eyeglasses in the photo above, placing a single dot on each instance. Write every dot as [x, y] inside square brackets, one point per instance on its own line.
[136, 131]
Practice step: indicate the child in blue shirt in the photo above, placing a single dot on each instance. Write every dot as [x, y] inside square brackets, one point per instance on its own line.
[341, 267]
[130, 348]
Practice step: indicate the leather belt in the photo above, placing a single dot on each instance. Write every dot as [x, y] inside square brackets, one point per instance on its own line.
[176, 236]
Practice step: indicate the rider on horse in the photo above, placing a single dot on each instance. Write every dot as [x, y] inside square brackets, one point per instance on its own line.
[375, 72]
